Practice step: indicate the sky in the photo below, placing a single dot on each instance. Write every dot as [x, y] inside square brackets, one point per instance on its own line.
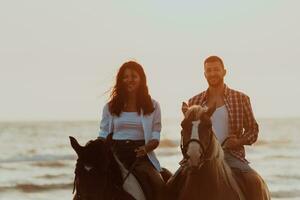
[59, 58]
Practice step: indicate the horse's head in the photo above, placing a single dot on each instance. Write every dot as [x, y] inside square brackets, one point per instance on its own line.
[93, 155]
[91, 167]
[197, 135]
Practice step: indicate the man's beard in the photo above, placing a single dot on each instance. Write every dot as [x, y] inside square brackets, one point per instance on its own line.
[219, 81]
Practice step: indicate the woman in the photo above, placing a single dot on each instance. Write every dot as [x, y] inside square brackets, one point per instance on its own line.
[135, 121]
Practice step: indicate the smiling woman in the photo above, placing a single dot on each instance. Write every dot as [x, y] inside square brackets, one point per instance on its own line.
[132, 120]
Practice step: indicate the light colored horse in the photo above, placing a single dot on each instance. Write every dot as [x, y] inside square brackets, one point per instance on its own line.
[204, 173]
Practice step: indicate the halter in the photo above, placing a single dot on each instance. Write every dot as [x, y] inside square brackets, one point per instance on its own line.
[80, 167]
[204, 150]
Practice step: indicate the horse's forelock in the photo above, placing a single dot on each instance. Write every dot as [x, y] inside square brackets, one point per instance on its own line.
[95, 154]
[195, 112]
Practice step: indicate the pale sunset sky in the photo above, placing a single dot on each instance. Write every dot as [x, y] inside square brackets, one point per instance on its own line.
[59, 57]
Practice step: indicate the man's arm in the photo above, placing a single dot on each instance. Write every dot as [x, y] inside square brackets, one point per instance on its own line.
[250, 128]
[250, 125]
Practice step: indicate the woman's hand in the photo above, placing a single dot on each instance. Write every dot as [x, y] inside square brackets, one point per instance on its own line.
[141, 151]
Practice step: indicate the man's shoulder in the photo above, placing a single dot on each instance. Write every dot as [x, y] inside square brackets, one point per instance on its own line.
[237, 93]
[197, 98]
[199, 95]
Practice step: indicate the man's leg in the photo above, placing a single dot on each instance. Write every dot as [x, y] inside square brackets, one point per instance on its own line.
[250, 182]
[255, 186]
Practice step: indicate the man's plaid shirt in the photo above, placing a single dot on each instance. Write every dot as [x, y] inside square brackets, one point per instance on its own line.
[241, 119]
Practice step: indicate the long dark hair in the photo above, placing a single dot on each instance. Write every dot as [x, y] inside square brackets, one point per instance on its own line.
[118, 94]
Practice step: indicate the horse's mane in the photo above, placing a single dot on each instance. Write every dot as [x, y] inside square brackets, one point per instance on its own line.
[216, 161]
[223, 172]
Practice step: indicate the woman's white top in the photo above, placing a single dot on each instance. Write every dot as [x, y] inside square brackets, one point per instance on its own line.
[151, 127]
[128, 126]
[219, 121]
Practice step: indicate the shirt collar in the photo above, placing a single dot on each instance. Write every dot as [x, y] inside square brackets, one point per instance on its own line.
[226, 93]
[226, 90]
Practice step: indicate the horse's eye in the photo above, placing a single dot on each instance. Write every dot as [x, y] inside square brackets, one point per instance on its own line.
[186, 123]
[188, 128]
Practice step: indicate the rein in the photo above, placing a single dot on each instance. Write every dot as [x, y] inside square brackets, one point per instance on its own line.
[203, 158]
[130, 170]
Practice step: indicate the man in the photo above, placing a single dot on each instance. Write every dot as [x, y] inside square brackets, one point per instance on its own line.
[233, 122]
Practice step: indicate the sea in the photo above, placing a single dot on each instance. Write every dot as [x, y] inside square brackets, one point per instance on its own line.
[37, 161]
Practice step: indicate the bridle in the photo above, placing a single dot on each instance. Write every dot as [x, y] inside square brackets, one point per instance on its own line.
[204, 156]
[79, 170]
[96, 170]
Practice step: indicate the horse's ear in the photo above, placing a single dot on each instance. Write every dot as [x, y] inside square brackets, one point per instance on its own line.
[211, 110]
[184, 107]
[76, 146]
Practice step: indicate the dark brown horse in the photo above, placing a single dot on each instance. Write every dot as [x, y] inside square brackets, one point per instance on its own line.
[99, 175]
[204, 174]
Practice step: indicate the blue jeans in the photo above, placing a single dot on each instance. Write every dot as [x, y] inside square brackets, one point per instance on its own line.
[233, 162]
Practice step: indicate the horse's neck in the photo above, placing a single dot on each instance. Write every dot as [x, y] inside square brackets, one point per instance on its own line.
[218, 168]
[213, 168]
[130, 184]
[115, 170]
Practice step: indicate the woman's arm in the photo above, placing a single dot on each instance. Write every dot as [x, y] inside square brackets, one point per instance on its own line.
[104, 123]
[156, 128]
[156, 125]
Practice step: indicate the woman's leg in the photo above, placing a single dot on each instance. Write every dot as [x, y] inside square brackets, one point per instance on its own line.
[150, 179]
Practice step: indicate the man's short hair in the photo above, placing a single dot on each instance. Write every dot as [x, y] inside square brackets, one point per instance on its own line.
[211, 59]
